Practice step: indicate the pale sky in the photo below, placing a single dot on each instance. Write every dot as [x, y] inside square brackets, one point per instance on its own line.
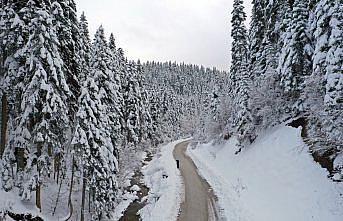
[190, 31]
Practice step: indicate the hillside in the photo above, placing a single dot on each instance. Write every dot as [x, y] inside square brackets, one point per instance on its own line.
[275, 178]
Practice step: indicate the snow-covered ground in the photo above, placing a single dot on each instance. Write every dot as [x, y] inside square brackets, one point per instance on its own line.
[275, 179]
[165, 183]
[125, 197]
[123, 203]
[11, 201]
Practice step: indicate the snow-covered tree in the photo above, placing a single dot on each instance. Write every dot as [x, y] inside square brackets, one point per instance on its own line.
[256, 36]
[44, 112]
[94, 148]
[334, 58]
[295, 60]
[146, 120]
[12, 40]
[96, 130]
[68, 33]
[132, 100]
[85, 48]
[102, 61]
[239, 69]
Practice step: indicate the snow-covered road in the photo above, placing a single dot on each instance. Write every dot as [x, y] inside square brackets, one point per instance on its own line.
[199, 202]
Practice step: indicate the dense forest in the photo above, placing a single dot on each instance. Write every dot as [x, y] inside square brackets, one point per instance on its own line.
[76, 114]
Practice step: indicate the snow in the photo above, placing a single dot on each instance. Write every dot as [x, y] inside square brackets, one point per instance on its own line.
[165, 183]
[124, 203]
[9, 201]
[273, 179]
[135, 188]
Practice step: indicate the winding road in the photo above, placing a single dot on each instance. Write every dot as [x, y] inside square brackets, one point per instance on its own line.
[199, 203]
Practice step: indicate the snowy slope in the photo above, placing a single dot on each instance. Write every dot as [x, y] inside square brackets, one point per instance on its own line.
[275, 179]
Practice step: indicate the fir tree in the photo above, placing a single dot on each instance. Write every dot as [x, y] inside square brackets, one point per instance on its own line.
[295, 60]
[334, 59]
[94, 133]
[65, 21]
[95, 150]
[132, 100]
[256, 36]
[85, 48]
[101, 62]
[43, 120]
[239, 68]
[12, 40]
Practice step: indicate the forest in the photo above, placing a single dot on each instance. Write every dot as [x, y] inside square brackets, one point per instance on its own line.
[77, 114]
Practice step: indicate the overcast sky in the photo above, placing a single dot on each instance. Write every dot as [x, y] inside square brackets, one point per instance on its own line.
[193, 31]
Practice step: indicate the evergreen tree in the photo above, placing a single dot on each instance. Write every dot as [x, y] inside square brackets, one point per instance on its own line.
[334, 59]
[146, 120]
[155, 115]
[102, 61]
[12, 40]
[96, 126]
[95, 150]
[85, 48]
[239, 68]
[43, 116]
[65, 21]
[132, 100]
[323, 87]
[238, 52]
[112, 44]
[256, 36]
[295, 60]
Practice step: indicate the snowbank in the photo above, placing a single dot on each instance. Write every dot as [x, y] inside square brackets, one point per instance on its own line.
[125, 200]
[125, 197]
[165, 183]
[273, 179]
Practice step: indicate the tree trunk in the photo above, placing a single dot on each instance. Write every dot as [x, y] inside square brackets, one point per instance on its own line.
[70, 203]
[21, 159]
[71, 181]
[58, 166]
[38, 198]
[83, 200]
[4, 119]
[38, 187]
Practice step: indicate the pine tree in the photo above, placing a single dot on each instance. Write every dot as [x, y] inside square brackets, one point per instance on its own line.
[65, 21]
[94, 133]
[214, 103]
[268, 111]
[95, 150]
[295, 60]
[334, 59]
[239, 68]
[118, 137]
[326, 33]
[210, 113]
[155, 115]
[321, 34]
[146, 124]
[12, 35]
[85, 48]
[43, 116]
[112, 44]
[132, 100]
[102, 61]
[256, 35]
[239, 50]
